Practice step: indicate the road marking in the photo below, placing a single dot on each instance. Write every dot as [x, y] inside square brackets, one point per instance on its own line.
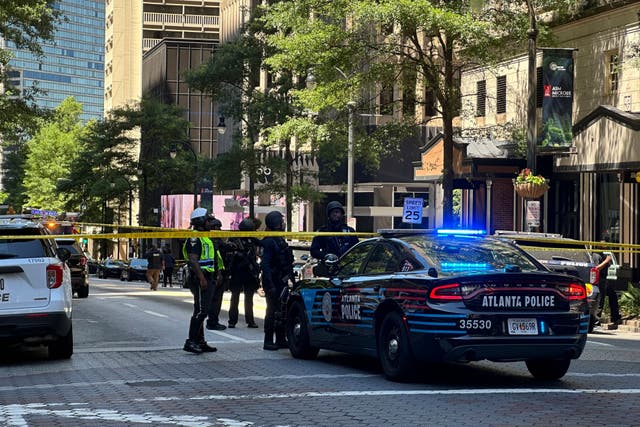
[231, 337]
[153, 313]
[14, 415]
[600, 343]
[129, 305]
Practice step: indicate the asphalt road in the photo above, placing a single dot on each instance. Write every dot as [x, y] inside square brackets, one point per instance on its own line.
[129, 369]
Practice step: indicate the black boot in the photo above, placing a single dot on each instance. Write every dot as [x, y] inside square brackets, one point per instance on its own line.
[268, 343]
[281, 341]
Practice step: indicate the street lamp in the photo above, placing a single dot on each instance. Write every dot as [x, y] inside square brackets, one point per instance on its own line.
[532, 34]
[222, 127]
[173, 152]
[351, 107]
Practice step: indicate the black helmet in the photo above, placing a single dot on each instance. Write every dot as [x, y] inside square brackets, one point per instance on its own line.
[214, 222]
[273, 220]
[246, 225]
[334, 205]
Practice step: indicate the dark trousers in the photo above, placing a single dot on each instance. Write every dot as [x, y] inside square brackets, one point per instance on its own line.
[614, 308]
[216, 303]
[201, 306]
[272, 320]
[248, 290]
[167, 274]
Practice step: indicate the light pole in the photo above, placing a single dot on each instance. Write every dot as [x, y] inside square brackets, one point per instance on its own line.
[351, 107]
[532, 33]
[173, 152]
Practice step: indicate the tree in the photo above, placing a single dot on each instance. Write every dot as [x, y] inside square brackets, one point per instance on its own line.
[388, 43]
[51, 152]
[25, 24]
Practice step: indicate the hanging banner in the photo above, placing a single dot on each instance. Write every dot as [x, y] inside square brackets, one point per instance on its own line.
[557, 103]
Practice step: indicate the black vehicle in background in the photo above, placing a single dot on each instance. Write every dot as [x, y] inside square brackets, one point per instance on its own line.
[78, 265]
[135, 269]
[110, 268]
[412, 297]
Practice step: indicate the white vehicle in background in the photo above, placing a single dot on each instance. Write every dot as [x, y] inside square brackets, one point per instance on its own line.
[35, 288]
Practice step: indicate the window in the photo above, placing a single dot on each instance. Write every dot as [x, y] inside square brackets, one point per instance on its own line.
[613, 71]
[501, 94]
[382, 260]
[386, 100]
[481, 98]
[351, 263]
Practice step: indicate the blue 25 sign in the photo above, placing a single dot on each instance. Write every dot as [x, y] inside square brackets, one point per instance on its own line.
[412, 212]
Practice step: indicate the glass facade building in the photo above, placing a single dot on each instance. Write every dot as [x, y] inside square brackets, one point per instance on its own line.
[72, 64]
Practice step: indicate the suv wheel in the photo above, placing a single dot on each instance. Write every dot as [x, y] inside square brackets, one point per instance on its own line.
[63, 348]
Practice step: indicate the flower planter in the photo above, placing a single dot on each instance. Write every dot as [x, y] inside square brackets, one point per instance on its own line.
[529, 190]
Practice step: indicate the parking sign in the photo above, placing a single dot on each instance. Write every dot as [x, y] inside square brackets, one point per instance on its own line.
[412, 212]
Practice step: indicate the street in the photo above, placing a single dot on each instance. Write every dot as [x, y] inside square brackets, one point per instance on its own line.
[129, 368]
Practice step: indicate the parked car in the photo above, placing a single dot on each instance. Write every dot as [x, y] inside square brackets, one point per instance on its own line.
[77, 263]
[562, 255]
[35, 289]
[135, 269]
[412, 297]
[92, 263]
[110, 268]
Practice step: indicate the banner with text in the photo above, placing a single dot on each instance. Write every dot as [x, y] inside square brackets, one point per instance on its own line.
[557, 102]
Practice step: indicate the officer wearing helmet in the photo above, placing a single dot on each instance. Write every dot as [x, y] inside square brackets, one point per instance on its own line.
[213, 319]
[337, 245]
[277, 271]
[204, 262]
[244, 273]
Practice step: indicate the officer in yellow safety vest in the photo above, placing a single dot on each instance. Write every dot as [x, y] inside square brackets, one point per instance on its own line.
[204, 263]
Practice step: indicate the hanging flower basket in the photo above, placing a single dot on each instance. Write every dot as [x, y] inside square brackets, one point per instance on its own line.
[530, 186]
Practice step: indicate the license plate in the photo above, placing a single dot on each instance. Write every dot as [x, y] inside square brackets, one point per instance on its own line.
[522, 326]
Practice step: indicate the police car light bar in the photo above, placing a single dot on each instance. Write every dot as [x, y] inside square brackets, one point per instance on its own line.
[461, 232]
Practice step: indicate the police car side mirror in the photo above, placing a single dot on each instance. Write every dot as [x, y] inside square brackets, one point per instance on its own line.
[64, 254]
[331, 262]
[432, 272]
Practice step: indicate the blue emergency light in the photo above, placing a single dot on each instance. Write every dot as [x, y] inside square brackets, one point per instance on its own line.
[462, 266]
[461, 232]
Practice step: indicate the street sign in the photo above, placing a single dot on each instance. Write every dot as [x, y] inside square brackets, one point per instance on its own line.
[412, 212]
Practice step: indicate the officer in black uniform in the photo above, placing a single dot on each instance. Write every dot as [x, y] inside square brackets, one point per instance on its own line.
[213, 320]
[277, 271]
[244, 273]
[204, 262]
[337, 245]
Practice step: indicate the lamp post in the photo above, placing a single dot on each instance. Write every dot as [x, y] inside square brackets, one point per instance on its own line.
[351, 107]
[173, 152]
[532, 33]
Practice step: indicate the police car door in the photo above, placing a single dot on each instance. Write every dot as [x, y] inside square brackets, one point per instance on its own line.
[361, 295]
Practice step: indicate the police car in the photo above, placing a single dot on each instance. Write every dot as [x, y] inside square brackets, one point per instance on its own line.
[410, 297]
[35, 288]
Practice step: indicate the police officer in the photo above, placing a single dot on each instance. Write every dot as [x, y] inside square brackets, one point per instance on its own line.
[204, 261]
[244, 274]
[337, 245]
[213, 320]
[277, 271]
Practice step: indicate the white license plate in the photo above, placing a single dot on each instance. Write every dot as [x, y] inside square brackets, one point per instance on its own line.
[522, 326]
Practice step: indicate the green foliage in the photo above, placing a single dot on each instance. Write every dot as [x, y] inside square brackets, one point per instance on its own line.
[50, 154]
[527, 176]
[630, 301]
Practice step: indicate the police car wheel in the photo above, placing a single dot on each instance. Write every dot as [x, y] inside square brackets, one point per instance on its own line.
[298, 333]
[394, 350]
[548, 369]
[62, 348]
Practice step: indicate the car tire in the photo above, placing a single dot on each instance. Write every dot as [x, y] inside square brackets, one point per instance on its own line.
[297, 330]
[63, 348]
[548, 369]
[83, 292]
[394, 349]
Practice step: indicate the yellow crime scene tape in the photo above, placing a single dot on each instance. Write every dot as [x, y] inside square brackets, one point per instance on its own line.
[154, 232]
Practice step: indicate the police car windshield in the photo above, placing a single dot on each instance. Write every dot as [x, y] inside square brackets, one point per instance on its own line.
[458, 255]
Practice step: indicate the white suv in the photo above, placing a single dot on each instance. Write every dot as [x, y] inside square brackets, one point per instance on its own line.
[35, 288]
